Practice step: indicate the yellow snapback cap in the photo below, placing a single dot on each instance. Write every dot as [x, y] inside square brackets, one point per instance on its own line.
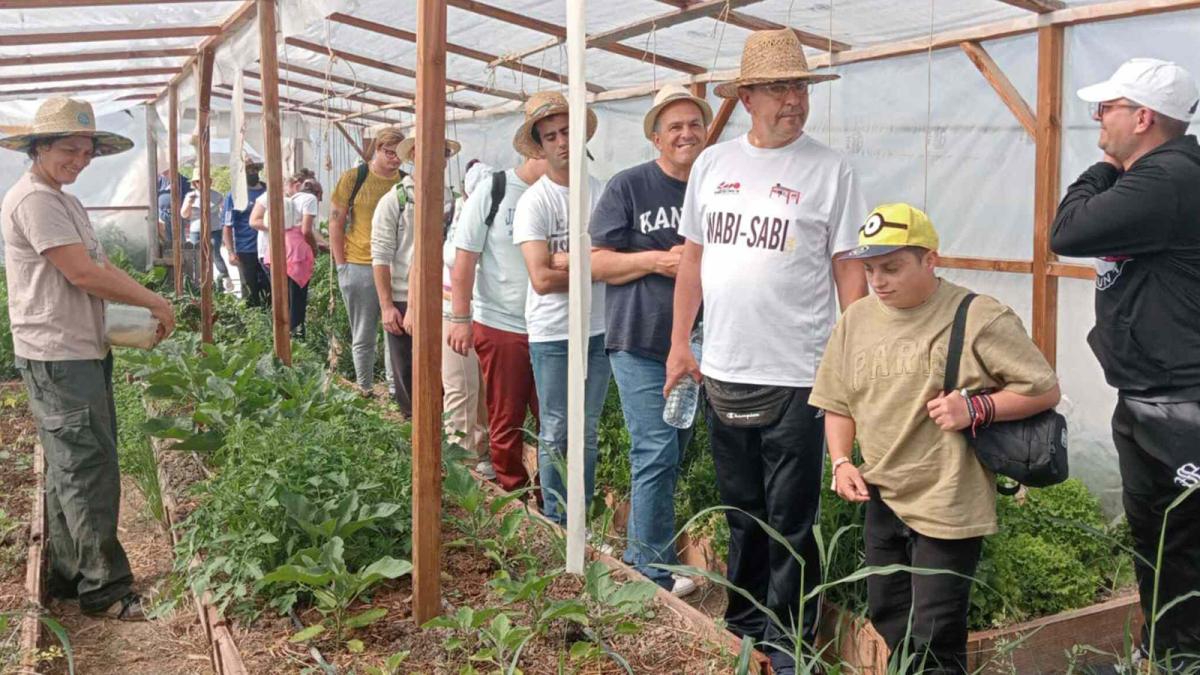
[891, 227]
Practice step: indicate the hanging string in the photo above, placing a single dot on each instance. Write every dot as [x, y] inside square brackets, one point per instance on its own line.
[723, 21]
[828, 90]
[651, 48]
[928, 106]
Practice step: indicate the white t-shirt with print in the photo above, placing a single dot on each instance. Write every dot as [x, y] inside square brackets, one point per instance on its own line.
[770, 221]
[291, 218]
[541, 215]
[501, 280]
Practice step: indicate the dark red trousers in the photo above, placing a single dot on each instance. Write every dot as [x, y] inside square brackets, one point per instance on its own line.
[508, 382]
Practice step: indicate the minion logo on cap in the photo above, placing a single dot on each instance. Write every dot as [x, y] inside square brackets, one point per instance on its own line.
[876, 223]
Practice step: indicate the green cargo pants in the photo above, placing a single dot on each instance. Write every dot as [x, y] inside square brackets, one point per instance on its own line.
[72, 403]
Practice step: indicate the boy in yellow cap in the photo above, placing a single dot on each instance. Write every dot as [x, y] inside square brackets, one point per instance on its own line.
[929, 502]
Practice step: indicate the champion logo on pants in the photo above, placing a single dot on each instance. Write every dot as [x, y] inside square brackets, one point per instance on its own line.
[1187, 475]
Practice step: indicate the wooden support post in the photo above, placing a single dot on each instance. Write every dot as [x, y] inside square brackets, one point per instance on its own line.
[580, 286]
[152, 246]
[699, 90]
[176, 223]
[274, 167]
[204, 73]
[1046, 186]
[426, 305]
[720, 120]
[353, 143]
[1003, 86]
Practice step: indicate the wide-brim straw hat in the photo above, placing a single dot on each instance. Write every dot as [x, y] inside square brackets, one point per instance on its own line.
[771, 56]
[541, 105]
[60, 117]
[669, 94]
[405, 148]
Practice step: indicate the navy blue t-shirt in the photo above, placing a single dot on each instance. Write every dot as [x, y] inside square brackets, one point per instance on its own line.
[639, 211]
[245, 238]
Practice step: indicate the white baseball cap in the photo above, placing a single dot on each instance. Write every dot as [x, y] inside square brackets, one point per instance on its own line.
[1161, 86]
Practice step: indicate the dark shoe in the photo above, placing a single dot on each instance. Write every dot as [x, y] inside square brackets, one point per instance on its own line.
[128, 608]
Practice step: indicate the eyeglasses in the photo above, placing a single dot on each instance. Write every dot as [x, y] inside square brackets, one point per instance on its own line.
[388, 153]
[1098, 109]
[782, 89]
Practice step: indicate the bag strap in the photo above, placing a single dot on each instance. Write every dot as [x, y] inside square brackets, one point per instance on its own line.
[359, 179]
[954, 350]
[498, 189]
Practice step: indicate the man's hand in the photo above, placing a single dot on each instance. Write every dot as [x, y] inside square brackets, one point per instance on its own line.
[165, 313]
[408, 321]
[668, 263]
[680, 363]
[560, 261]
[393, 320]
[850, 484]
[949, 412]
[459, 338]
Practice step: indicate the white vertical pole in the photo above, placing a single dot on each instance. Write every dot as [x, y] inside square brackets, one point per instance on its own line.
[580, 284]
[152, 249]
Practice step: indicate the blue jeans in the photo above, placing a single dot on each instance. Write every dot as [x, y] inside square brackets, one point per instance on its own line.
[549, 360]
[654, 457]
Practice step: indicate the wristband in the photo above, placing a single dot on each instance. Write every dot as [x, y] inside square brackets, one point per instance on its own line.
[836, 463]
[454, 318]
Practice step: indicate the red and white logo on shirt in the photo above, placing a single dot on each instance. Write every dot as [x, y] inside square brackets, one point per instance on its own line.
[726, 188]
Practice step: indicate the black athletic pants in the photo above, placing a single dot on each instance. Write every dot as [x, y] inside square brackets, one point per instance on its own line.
[774, 474]
[1158, 445]
[297, 306]
[400, 349]
[255, 282]
[936, 637]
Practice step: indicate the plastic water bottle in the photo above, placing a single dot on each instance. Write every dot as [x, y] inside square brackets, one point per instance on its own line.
[680, 409]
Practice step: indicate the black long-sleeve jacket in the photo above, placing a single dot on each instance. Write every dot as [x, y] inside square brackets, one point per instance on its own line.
[1144, 225]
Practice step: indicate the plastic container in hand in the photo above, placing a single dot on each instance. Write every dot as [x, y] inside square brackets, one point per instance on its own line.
[680, 409]
[129, 326]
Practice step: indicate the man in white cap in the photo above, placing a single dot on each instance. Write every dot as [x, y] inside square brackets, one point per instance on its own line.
[488, 313]
[764, 215]
[540, 228]
[58, 283]
[1138, 211]
[636, 251]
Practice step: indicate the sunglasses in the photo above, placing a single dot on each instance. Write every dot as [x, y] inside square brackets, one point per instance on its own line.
[782, 89]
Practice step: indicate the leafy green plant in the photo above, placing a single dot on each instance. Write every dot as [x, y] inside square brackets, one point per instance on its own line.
[133, 448]
[324, 575]
[487, 525]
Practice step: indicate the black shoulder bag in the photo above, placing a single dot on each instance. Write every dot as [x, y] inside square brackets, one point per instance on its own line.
[1032, 451]
[498, 190]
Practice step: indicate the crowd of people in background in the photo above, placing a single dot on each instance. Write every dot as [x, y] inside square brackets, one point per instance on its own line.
[723, 263]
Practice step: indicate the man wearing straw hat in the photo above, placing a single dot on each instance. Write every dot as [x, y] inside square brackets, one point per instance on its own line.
[58, 282]
[357, 192]
[392, 238]
[540, 228]
[487, 312]
[636, 249]
[764, 215]
[1138, 211]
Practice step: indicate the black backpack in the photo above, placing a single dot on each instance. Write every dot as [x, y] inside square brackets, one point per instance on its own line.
[360, 177]
[498, 188]
[1032, 451]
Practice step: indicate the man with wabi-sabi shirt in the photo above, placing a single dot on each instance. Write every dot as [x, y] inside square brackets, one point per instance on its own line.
[763, 217]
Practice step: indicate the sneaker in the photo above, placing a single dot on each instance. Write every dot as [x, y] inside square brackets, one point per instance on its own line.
[227, 282]
[128, 608]
[782, 663]
[607, 549]
[485, 469]
[683, 586]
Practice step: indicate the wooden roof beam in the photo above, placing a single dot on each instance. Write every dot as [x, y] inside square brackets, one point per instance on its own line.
[61, 4]
[304, 86]
[1039, 6]
[224, 95]
[557, 31]
[73, 37]
[1003, 86]
[398, 93]
[89, 57]
[68, 89]
[460, 50]
[240, 17]
[88, 75]
[398, 70]
[748, 22]
[255, 97]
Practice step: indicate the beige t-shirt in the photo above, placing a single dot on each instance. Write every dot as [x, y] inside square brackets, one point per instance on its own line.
[52, 320]
[881, 367]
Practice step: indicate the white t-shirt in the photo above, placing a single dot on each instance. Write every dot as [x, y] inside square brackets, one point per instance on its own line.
[770, 221]
[541, 215]
[291, 218]
[501, 279]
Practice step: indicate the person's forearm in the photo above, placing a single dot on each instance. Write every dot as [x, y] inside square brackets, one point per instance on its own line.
[1013, 406]
[621, 268]
[839, 435]
[546, 280]
[337, 238]
[851, 280]
[462, 282]
[688, 294]
[383, 284]
[227, 237]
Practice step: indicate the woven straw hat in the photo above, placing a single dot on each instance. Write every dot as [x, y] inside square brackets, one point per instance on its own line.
[541, 105]
[60, 117]
[374, 130]
[405, 148]
[771, 56]
[665, 97]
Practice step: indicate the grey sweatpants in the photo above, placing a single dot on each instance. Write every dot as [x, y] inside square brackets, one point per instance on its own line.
[362, 304]
[72, 404]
